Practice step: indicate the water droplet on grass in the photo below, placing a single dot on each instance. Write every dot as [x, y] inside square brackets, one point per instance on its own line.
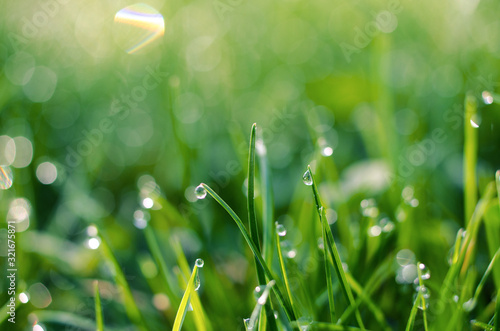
[307, 178]
[469, 305]
[200, 192]
[199, 263]
[280, 229]
[426, 274]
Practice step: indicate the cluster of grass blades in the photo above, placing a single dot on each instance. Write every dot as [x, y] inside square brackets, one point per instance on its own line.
[349, 300]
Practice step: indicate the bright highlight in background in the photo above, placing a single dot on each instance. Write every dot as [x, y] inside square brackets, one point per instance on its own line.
[137, 26]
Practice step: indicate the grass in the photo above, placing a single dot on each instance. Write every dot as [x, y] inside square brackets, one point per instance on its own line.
[345, 311]
[399, 144]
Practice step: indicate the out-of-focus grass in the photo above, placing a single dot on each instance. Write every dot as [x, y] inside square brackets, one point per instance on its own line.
[396, 160]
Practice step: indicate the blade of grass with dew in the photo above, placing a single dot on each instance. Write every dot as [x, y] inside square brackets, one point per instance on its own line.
[98, 309]
[184, 305]
[261, 301]
[422, 296]
[277, 289]
[482, 325]
[332, 248]
[160, 261]
[200, 319]
[282, 266]
[470, 232]
[131, 308]
[254, 232]
[470, 157]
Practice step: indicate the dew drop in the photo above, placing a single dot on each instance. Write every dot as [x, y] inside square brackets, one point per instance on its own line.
[199, 263]
[280, 229]
[426, 274]
[487, 97]
[197, 282]
[6, 178]
[200, 192]
[307, 178]
[469, 305]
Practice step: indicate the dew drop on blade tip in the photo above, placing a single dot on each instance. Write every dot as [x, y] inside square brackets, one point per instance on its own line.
[200, 192]
[200, 263]
[307, 178]
[281, 230]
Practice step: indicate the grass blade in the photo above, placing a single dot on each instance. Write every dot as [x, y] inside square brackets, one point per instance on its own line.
[281, 298]
[413, 313]
[482, 325]
[201, 321]
[131, 308]
[471, 233]
[470, 157]
[282, 265]
[332, 248]
[254, 232]
[328, 272]
[190, 288]
[98, 308]
[267, 201]
[488, 271]
[422, 296]
[160, 261]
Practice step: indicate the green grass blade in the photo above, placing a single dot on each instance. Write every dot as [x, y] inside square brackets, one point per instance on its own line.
[422, 297]
[413, 313]
[98, 309]
[131, 308]
[183, 307]
[383, 272]
[201, 321]
[471, 233]
[328, 272]
[279, 294]
[488, 271]
[470, 157]
[283, 269]
[267, 201]
[482, 325]
[332, 248]
[160, 261]
[254, 232]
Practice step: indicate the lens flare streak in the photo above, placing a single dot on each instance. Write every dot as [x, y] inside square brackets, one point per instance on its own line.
[145, 18]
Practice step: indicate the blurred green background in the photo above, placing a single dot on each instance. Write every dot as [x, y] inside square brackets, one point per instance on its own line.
[112, 121]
